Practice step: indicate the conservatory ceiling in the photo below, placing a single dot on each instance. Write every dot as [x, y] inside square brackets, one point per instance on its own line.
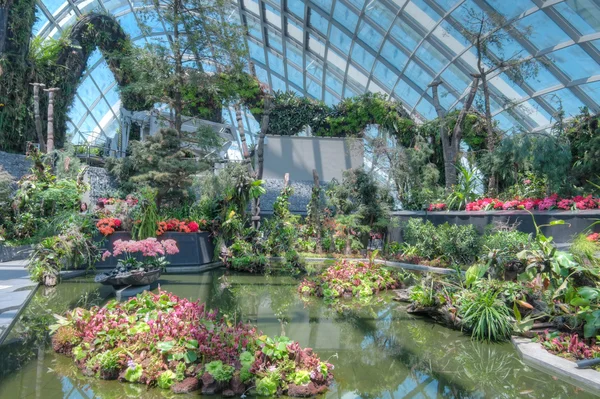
[332, 49]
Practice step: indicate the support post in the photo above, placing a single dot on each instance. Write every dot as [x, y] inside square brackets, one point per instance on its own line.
[36, 113]
[51, 91]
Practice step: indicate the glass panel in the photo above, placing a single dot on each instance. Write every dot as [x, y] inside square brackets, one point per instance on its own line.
[380, 14]
[54, 5]
[275, 63]
[295, 30]
[252, 5]
[339, 39]
[295, 75]
[345, 16]
[426, 110]
[294, 54]
[275, 40]
[426, 9]
[325, 5]
[336, 61]
[362, 57]
[254, 27]
[543, 80]
[261, 74]
[418, 75]
[88, 91]
[314, 67]
[272, 15]
[385, 75]
[592, 90]
[278, 84]
[256, 52]
[584, 15]
[41, 21]
[510, 9]
[314, 89]
[316, 45]
[565, 97]
[349, 93]
[431, 56]
[545, 32]
[330, 99]
[357, 77]
[100, 110]
[394, 55]
[130, 25]
[318, 22]
[334, 83]
[359, 4]
[297, 7]
[112, 97]
[456, 78]
[574, 62]
[406, 94]
[406, 35]
[369, 35]
[103, 76]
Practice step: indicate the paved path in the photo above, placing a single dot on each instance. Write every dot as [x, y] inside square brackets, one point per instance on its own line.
[15, 290]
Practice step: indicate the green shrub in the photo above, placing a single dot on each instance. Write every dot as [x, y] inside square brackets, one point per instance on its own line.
[422, 235]
[459, 243]
[485, 315]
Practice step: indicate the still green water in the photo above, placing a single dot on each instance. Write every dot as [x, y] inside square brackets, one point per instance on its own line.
[378, 350]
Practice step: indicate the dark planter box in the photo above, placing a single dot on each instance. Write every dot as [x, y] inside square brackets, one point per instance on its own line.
[194, 248]
[575, 221]
[8, 254]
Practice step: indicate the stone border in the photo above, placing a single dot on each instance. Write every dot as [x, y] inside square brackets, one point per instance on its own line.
[536, 356]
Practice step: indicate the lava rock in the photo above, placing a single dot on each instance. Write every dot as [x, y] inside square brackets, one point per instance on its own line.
[228, 393]
[209, 385]
[109, 374]
[237, 386]
[189, 384]
[304, 391]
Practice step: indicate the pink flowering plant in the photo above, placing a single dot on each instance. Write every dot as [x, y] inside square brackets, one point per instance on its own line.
[567, 345]
[551, 202]
[350, 279]
[151, 251]
[163, 340]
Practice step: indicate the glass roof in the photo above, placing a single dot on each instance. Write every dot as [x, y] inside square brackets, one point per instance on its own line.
[331, 49]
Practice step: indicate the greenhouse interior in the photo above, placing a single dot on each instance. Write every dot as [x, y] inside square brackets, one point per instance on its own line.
[375, 199]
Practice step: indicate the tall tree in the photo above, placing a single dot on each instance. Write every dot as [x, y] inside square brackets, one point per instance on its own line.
[494, 39]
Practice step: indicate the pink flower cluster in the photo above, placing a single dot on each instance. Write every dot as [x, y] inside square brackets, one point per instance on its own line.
[594, 237]
[437, 207]
[148, 247]
[551, 202]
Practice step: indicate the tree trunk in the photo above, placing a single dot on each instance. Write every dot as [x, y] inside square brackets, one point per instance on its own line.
[316, 212]
[447, 148]
[4, 11]
[491, 137]
[451, 158]
[260, 151]
[36, 113]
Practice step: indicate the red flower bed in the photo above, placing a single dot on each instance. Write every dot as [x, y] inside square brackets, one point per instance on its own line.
[568, 345]
[177, 226]
[551, 202]
[107, 226]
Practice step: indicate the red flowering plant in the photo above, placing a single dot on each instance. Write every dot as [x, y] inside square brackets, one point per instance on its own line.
[348, 279]
[163, 340]
[437, 207]
[594, 237]
[530, 204]
[177, 226]
[568, 345]
[108, 225]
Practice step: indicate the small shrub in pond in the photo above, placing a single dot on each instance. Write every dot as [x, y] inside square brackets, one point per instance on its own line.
[170, 342]
[346, 279]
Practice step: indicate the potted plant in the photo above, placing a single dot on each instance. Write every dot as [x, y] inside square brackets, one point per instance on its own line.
[141, 264]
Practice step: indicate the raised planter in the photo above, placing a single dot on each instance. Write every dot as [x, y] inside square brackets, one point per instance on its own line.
[575, 221]
[195, 249]
[8, 254]
[535, 355]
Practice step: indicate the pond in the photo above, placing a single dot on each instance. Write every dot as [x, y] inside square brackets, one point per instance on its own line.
[378, 350]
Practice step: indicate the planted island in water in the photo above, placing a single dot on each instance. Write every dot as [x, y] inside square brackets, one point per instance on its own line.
[170, 342]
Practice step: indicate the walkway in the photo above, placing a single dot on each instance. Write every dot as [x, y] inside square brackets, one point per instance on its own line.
[15, 290]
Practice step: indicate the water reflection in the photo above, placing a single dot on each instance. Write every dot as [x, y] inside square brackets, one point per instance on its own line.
[379, 351]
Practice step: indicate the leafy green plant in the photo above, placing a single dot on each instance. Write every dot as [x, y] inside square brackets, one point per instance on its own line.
[133, 373]
[423, 296]
[166, 379]
[300, 377]
[267, 386]
[220, 372]
[466, 189]
[146, 214]
[486, 316]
